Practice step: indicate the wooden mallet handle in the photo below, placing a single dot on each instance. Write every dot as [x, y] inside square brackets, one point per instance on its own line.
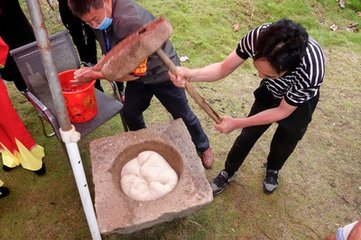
[189, 88]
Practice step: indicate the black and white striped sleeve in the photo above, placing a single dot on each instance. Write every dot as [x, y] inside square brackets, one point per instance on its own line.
[309, 76]
[246, 47]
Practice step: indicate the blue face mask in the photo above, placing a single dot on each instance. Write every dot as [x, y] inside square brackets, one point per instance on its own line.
[105, 23]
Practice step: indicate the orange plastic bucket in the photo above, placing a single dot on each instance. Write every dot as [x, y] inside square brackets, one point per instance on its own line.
[79, 99]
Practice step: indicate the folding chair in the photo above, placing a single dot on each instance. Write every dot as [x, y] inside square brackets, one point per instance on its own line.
[29, 62]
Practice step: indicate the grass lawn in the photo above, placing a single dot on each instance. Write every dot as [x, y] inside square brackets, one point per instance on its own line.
[320, 186]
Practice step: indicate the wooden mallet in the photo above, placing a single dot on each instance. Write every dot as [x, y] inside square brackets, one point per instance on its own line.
[130, 52]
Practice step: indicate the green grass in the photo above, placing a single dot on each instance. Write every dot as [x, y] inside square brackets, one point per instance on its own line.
[203, 30]
[49, 207]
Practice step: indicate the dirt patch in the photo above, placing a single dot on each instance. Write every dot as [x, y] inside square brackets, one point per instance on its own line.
[320, 183]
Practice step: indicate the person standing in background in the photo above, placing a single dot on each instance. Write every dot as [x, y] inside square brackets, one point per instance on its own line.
[82, 35]
[16, 31]
[17, 147]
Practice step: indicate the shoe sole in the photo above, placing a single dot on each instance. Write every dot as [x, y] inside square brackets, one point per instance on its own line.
[207, 166]
[265, 190]
[268, 192]
[229, 180]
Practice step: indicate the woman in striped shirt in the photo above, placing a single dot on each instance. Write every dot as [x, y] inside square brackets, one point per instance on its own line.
[292, 66]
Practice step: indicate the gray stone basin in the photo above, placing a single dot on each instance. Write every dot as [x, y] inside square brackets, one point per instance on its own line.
[116, 212]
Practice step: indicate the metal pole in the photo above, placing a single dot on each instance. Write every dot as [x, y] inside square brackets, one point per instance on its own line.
[68, 132]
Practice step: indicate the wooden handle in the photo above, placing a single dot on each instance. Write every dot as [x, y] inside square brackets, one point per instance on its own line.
[202, 103]
[190, 89]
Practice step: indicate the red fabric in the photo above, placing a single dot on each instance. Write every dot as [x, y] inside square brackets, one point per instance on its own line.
[11, 126]
[4, 49]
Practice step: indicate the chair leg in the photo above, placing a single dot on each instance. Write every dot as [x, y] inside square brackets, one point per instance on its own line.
[44, 129]
[118, 97]
[116, 94]
[125, 126]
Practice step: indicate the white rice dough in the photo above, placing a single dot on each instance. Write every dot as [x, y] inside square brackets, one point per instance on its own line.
[147, 177]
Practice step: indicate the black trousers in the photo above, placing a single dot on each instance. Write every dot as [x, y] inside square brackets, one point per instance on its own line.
[289, 131]
[16, 31]
[137, 99]
[82, 35]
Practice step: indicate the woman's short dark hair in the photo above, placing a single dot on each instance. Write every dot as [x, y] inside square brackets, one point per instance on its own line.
[82, 7]
[282, 44]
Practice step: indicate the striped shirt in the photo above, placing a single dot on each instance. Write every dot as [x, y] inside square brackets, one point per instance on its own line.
[298, 86]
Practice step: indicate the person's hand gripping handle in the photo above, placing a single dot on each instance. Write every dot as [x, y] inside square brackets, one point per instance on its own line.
[190, 89]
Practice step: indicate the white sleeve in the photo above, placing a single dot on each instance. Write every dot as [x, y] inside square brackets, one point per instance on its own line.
[347, 229]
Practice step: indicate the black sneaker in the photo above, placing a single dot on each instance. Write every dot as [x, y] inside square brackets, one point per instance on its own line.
[4, 191]
[41, 171]
[220, 181]
[7, 169]
[270, 183]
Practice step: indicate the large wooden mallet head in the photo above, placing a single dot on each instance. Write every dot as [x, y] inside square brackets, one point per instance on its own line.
[130, 52]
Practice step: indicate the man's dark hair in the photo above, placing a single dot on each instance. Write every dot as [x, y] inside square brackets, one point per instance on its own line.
[282, 44]
[82, 7]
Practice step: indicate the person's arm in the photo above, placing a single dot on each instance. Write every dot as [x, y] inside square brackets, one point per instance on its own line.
[210, 73]
[262, 118]
[87, 74]
[355, 233]
[331, 237]
[346, 233]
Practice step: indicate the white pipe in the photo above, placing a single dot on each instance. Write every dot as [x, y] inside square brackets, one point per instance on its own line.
[78, 170]
[70, 138]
